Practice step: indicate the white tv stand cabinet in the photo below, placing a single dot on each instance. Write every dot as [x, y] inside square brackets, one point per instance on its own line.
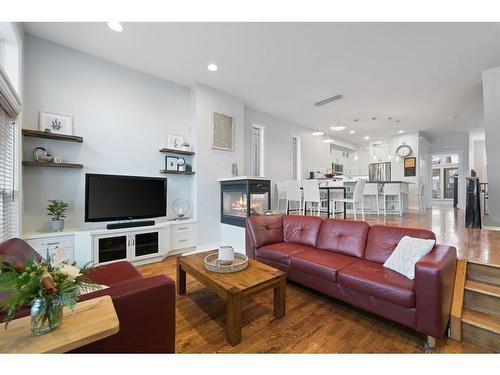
[138, 245]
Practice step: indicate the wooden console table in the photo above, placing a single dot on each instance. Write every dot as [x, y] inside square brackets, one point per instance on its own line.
[233, 287]
[92, 320]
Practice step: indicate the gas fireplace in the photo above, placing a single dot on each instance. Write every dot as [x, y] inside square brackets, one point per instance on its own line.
[242, 197]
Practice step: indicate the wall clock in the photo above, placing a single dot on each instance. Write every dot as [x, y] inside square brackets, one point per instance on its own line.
[404, 151]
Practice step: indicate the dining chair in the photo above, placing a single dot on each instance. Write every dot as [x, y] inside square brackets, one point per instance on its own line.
[293, 194]
[280, 195]
[371, 190]
[393, 190]
[357, 198]
[312, 196]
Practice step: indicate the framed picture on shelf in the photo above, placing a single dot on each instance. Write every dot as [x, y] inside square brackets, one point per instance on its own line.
[174, 141]
[55, 123]
[171, 163]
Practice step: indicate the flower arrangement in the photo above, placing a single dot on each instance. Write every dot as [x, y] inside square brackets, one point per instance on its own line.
[46, 288]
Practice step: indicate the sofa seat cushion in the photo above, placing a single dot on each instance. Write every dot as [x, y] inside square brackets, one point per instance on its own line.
[375, 280]
[280, 252]
[323, 264]
[114, 273]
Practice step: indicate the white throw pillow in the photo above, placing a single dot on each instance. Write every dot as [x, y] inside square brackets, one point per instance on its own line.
[408, 252]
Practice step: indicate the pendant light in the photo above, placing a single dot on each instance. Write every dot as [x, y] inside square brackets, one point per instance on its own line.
[318, 133]
[389, 154]
[400, 131]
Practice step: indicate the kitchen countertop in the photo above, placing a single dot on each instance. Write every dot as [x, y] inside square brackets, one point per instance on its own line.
[391, 182]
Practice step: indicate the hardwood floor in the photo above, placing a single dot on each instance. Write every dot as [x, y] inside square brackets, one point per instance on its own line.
[315, 323]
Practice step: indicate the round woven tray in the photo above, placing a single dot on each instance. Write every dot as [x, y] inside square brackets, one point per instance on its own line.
[240, 263]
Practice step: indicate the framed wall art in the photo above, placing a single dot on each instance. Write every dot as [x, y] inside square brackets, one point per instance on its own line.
[223, 132]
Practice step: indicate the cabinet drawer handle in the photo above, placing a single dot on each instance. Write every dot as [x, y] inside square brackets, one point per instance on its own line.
[51, 243]
[184, 240]
[182, 228]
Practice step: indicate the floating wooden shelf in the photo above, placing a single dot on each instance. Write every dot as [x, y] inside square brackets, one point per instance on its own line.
[176, 172]
[52, 165]
[57, 137]
[175, 151]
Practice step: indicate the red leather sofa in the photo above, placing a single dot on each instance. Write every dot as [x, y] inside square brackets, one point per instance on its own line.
[344, 259]
[145, 306]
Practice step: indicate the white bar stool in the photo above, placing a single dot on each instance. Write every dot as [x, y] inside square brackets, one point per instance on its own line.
[293, 194]
[421, 198]
[393, 190]
[371, 190]
[311, 195]
[281, 195]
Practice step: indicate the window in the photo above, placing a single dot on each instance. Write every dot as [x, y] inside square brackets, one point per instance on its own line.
[296, 158]
[9, 212]
[257, 157]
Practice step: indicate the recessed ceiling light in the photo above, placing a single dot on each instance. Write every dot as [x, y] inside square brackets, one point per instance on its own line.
[338, 128]
[366, 137]
[452, 117]
[212, 67]
[401, 131]
[115, 26]
[328, 140]
[352, 131]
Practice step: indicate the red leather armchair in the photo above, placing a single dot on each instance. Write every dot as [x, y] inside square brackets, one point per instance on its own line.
[145, 306]
[344, 259]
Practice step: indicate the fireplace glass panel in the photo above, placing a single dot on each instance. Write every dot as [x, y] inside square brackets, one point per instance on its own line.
[259, 203]
[234, 203]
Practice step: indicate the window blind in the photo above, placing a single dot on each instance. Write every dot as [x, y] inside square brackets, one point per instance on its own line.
[295, 159]
[257, 142]
[9, 207]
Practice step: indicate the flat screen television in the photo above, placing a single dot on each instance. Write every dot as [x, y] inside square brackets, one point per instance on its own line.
[110, 197]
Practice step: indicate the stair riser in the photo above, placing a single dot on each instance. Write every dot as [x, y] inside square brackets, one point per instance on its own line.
[486, 274]
[481, 337]
[482, 302]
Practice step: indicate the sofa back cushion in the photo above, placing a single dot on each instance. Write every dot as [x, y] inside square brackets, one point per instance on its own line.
[382, 240]
[302, 230]
[264, 229]
[343, 236]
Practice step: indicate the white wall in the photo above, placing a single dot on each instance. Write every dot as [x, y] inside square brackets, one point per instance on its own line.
[455, 142]
[278, 147]
[491, 99]
[123, 115]
[211, 164]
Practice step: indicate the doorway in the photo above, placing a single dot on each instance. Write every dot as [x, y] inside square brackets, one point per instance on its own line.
[444, 173]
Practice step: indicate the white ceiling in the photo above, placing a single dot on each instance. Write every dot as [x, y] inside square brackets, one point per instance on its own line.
[419, 73]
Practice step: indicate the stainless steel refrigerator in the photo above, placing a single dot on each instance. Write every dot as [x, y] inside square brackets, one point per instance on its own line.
[379, 172]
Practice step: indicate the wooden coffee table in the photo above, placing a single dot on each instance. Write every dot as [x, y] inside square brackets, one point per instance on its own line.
[234, 287]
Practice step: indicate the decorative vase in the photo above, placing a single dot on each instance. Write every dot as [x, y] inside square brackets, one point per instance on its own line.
[57, 225]
[46, 314]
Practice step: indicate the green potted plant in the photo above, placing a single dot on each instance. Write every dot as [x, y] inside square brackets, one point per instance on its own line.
[57, 209]
[46, 288]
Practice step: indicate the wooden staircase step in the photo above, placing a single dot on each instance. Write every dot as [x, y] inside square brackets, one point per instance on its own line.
[481, 329]
[486, 273]
[484, 288]
[482, 320]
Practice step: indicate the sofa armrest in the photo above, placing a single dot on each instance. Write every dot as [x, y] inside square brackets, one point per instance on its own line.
[434, 279]
[146, 311]
[262, 230]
